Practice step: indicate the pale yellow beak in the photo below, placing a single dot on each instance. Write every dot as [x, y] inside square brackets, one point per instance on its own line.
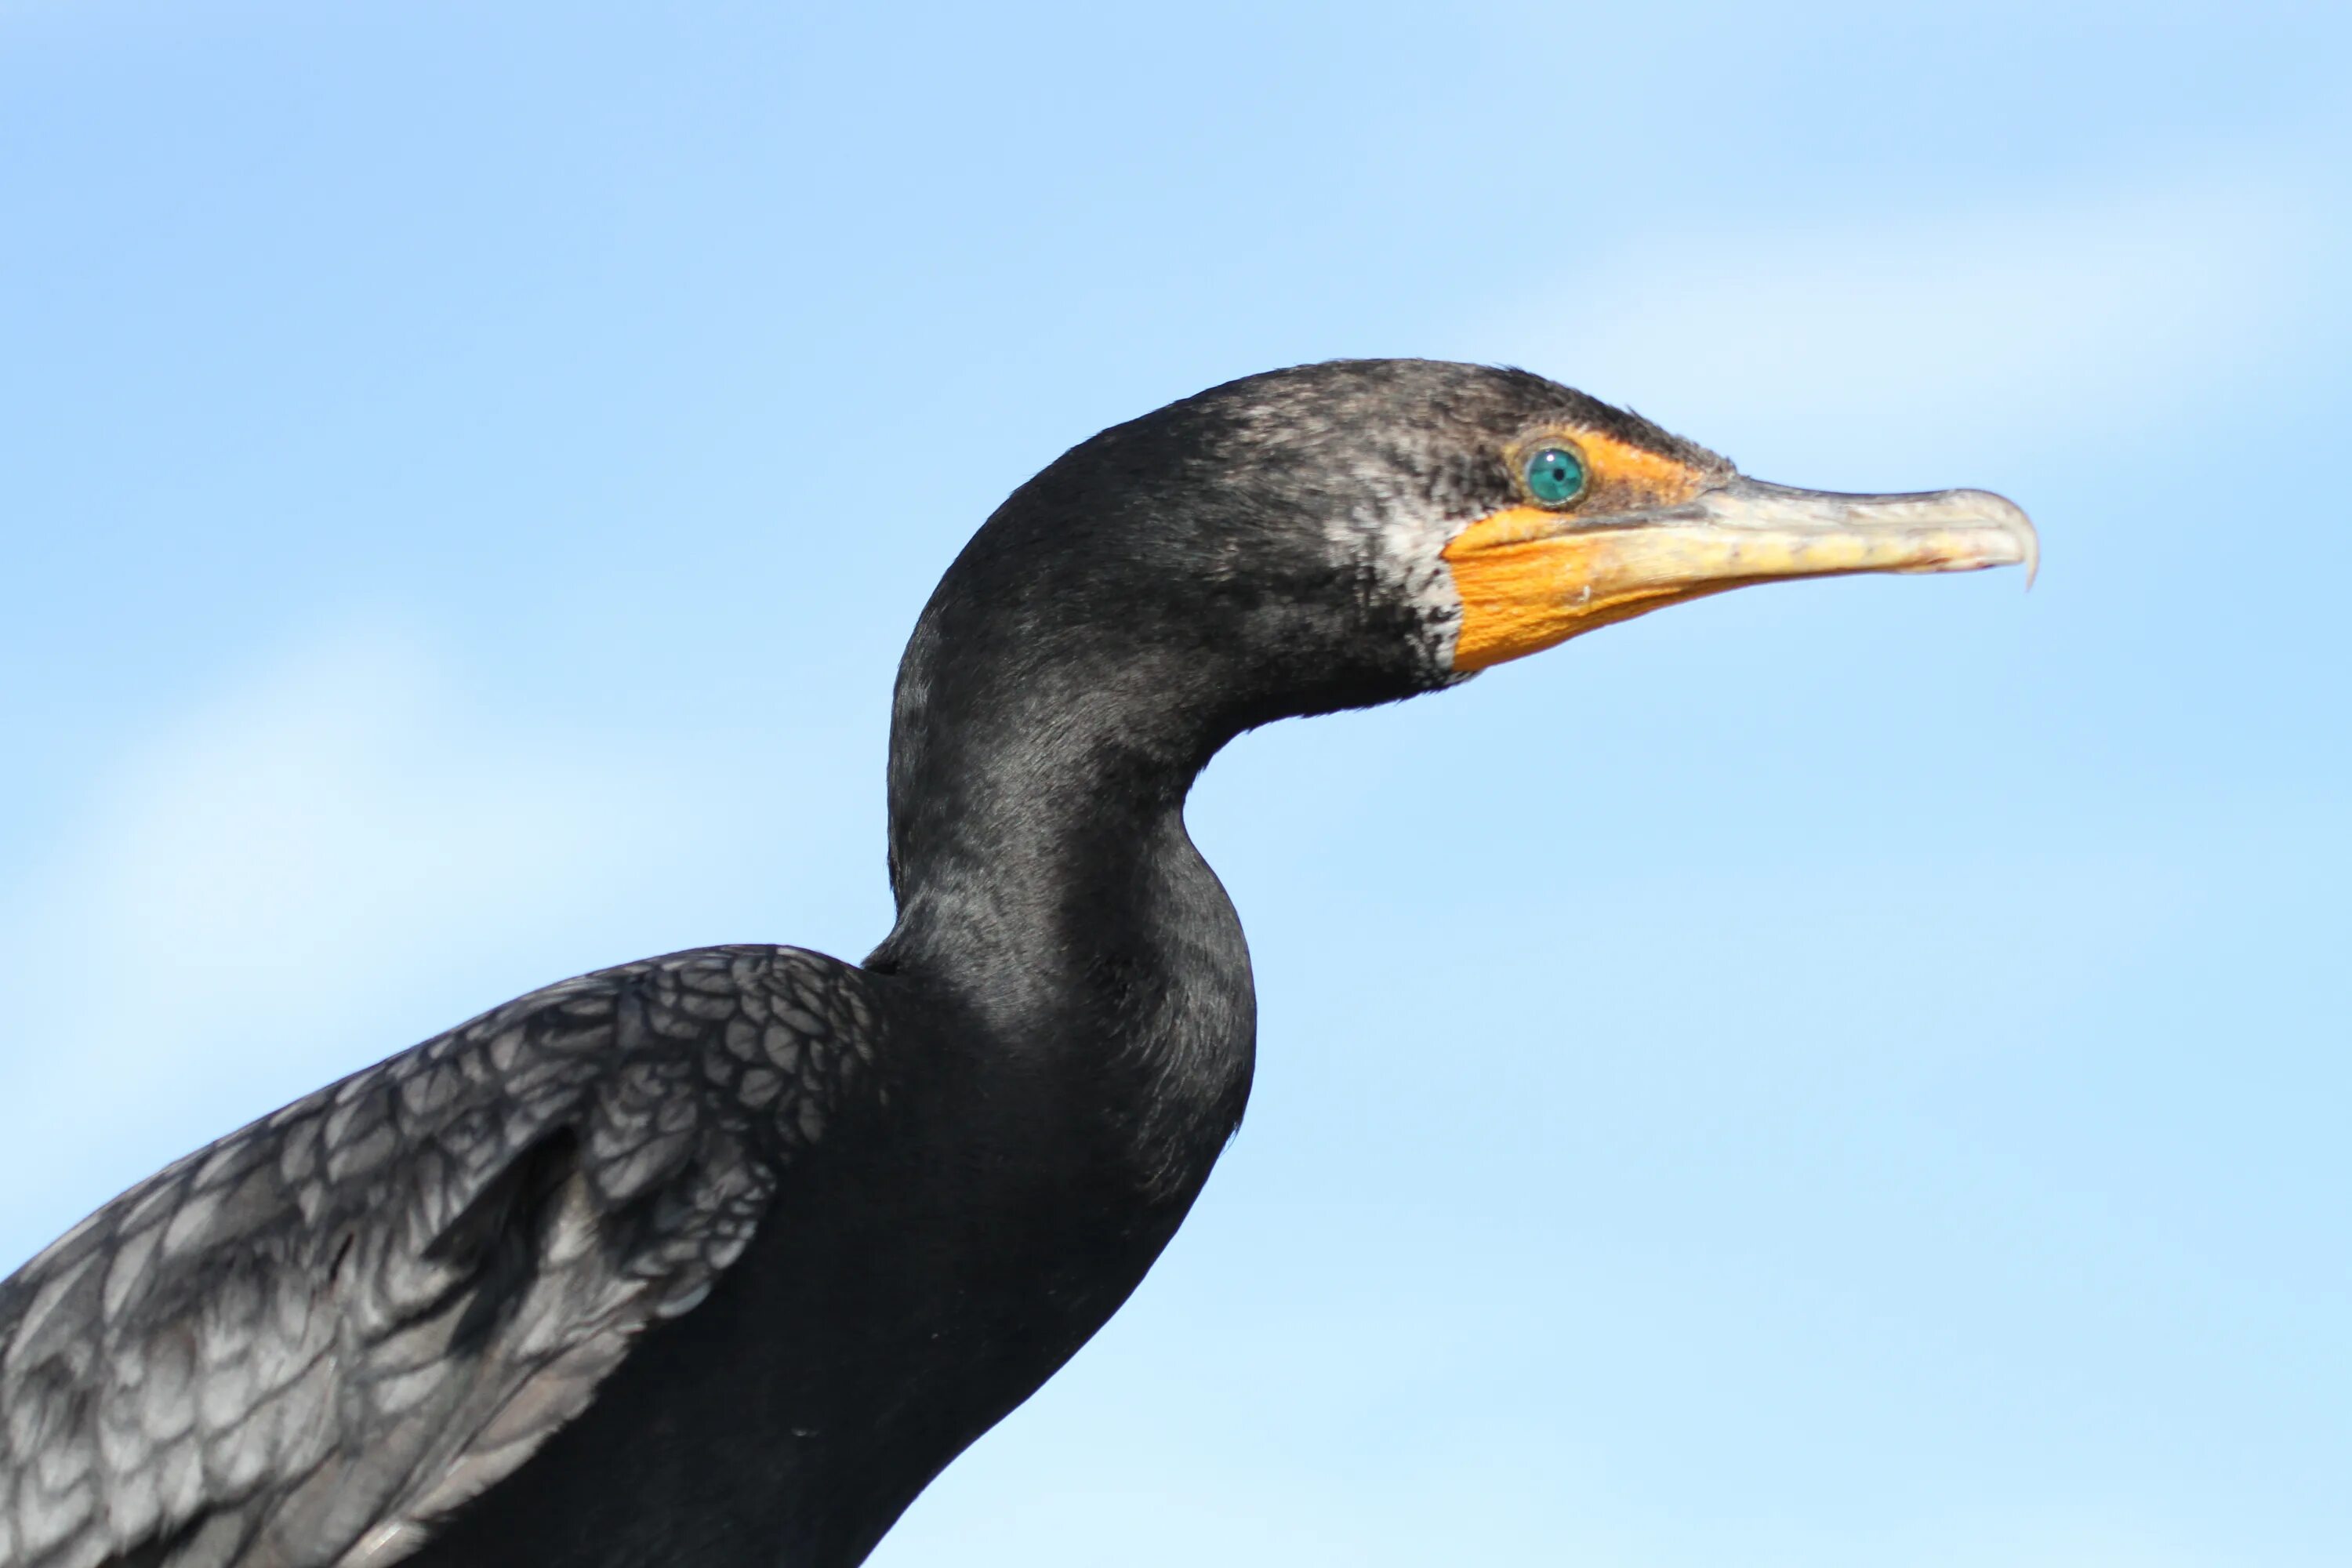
[1530, 577]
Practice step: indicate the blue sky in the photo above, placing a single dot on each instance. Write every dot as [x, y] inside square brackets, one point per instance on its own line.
[1847, 1074]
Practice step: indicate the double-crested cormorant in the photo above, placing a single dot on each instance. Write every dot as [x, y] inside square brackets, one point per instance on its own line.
[718, 1258]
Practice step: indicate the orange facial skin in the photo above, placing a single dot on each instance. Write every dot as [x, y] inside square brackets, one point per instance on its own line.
[1524, 586]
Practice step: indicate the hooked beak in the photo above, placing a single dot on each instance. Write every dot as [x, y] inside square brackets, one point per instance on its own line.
[1530, 577]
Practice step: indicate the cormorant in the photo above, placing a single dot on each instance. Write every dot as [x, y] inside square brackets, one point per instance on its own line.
[718, 1258]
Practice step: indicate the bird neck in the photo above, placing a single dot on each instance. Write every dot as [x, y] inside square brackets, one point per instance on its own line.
[1037, 837]
[1048, 890]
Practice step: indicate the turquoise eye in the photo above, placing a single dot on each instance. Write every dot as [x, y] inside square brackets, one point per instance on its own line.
[1555, 476]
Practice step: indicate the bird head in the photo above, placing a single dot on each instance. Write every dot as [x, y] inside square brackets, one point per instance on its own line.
[1341, 534]
[1337, 534]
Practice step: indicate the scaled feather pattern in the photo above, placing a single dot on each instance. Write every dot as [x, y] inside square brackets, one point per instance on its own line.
[305, 1343]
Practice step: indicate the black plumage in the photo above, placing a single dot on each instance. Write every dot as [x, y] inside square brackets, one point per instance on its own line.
[718, 1258]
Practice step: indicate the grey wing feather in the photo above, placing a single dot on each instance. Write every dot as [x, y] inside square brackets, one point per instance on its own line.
[301, 1346]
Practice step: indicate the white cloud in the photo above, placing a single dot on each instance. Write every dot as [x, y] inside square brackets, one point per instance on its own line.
[243, 884]
[2067, 315]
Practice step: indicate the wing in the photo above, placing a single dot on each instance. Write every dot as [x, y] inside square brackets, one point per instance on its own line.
[301, 1346]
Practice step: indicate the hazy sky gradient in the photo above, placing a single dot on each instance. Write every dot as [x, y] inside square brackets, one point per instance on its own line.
[1844, 1075]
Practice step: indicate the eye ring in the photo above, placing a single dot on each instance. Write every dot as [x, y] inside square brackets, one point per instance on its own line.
[1554, 473]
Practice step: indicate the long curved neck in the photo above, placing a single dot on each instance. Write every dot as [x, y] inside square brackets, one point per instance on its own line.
[1046, 885]
[1036, 827]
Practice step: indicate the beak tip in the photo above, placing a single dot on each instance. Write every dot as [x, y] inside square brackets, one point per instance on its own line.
[2011, 519]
